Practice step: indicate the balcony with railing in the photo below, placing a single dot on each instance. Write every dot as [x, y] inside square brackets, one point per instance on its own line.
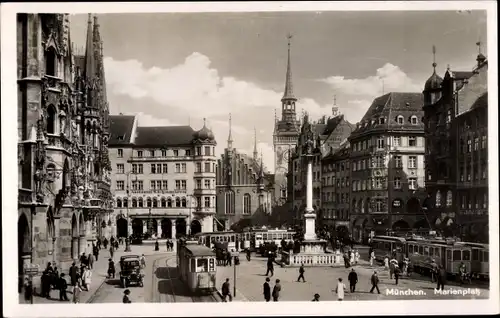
[204, 210]
[53, 82]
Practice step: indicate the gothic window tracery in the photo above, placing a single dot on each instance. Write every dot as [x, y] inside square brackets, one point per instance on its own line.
[51, 119]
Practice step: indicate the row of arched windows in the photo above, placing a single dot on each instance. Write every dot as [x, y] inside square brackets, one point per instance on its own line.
[152, 203]
[439, 199]
[229, 201]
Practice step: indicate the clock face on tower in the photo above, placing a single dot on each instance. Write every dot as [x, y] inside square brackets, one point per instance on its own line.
[282, 156]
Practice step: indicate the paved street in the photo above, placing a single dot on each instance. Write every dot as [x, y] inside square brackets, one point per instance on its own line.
[250, 277]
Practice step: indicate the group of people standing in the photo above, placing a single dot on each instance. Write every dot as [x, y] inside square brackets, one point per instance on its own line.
[351, 258]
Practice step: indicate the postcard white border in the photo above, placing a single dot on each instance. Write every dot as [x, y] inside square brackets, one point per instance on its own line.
[9, 175]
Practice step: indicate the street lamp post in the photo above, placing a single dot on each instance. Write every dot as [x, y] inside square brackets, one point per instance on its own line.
[127, 240]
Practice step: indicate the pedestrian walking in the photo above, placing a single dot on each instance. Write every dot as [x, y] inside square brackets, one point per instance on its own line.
[167, 244]
[249, 254]
[111, 268]
[226, 291]
[301, 273]
[105, 243]
[86, 278]
[143, 261]
[356, 257]
[353, 280]
[267, 290]
[316, 297]
[372, 258]
[374, 281]
[83, 259]
[126, 298]
[441, 277]
[386, 263]
[340, 290]
[96, 252]
[352, 257]
[76, 291]
[28, 289]
[270, 267]
[157, 246]
[91, 261]
[111, 251]
[276, 290]
[397, 272]
[63, 285]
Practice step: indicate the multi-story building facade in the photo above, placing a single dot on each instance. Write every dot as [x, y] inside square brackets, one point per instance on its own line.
[286, 133]
[63, 165]
[335, 190]
[387, 167]
[456, 126]
[244, 191]
[328, 135]
[163, 180]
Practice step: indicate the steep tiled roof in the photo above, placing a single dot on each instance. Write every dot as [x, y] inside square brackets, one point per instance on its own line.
[121, 129]
[389, 107]
[166, 136]
[482, 101]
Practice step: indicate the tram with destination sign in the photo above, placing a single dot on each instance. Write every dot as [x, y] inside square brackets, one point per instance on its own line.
[197, 266]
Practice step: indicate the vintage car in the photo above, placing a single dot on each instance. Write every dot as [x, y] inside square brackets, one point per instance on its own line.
[130, 271]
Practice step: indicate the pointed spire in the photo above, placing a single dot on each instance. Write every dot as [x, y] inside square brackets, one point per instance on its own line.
[288, 94]
[255, 153]
[261, 164]
[478, 43]
[335, 109]
[89, 50]
[230, 137]
[434, 58]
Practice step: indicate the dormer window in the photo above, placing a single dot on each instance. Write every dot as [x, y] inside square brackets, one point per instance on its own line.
[400, 120]
[381, 120]
[414, 120]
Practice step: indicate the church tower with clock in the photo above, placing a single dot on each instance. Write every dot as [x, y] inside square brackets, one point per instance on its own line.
[286, 134]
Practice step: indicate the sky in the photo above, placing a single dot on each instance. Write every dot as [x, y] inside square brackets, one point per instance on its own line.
[178, 68]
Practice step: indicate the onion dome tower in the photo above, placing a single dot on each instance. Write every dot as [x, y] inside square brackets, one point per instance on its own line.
[432, 89]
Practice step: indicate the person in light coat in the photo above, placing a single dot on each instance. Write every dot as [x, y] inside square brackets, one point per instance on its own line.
[86, 278]
[352, 257]
[372, 258]
[386, 262]
[341, 288]
[356, 257]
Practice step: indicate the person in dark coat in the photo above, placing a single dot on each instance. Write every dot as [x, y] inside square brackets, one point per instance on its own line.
[126, 298]
[353, 280]
[267, 290]
[397, 273]
[45, 282]
[111, 268]
[249, 254]
[63, 285]
[226, 291]
[228, 259]
[301, 273]
[157, 246]
[276, 290]
[441, 277]
[28, 289]
[105, 243]
[83, 259]
[270, 266]
[73, 274]
[374, 281]
[316, 297]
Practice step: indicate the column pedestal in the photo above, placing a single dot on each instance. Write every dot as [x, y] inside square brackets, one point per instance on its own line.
[173, 229]
[75, 252]
[158, 228]
[82, 244]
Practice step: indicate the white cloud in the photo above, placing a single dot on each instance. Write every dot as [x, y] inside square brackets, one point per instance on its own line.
[192, 85]
[388, 78]
[150, 120]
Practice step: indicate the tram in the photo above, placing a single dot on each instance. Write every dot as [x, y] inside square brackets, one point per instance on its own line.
[423, 251]
[260, 236]
[388, 245]
[480, 259]
[208, 239]
[197, 266]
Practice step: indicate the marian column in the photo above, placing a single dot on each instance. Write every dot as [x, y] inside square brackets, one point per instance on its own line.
[309, 216]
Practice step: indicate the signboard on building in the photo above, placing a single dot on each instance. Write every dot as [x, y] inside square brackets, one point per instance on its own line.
[31, 269]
